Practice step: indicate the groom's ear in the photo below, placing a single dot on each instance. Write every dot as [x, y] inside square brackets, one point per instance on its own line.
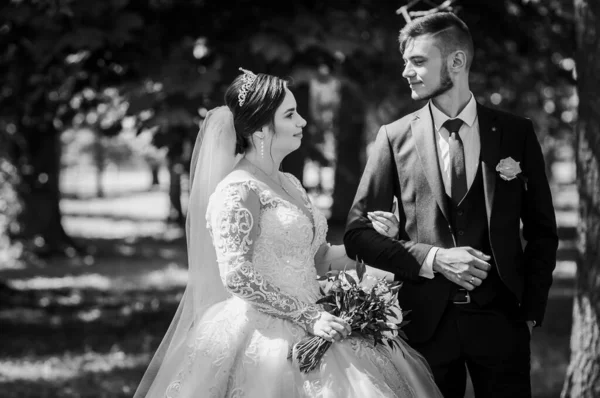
[458, 60]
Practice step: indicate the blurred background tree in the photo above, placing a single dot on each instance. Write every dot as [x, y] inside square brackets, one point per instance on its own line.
[583, 374]
[52, 51]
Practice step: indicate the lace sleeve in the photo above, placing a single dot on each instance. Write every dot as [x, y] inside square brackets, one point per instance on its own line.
[233, 225]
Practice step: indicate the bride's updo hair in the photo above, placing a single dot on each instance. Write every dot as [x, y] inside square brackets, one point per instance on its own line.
[253, 100]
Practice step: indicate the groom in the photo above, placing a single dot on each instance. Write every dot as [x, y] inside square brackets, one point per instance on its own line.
[465, 176]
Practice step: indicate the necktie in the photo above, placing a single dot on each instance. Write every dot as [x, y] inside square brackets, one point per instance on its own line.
[458, 173]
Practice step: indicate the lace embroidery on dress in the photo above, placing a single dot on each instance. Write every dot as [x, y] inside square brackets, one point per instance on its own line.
[319, 220]
[232, 234]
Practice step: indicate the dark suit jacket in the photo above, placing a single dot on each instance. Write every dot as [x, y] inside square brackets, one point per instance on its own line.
[404, 164]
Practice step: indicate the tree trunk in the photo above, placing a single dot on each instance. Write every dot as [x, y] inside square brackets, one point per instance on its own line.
[154, 170]
[351, 124]
[100, 160]
[10, 252]
[41, 217]
[176, 210]
[583, 374]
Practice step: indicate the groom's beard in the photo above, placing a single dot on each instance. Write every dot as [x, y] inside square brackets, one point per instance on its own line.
[445, 85]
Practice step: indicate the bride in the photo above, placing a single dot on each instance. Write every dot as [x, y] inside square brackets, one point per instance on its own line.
[255, 247]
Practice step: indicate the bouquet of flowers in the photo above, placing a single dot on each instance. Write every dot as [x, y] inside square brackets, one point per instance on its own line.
[370, 306]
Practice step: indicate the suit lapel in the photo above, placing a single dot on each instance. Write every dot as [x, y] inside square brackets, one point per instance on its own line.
[424, 135]
[491, 138]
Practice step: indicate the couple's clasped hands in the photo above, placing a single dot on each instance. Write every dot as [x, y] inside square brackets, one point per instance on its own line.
[464, 266]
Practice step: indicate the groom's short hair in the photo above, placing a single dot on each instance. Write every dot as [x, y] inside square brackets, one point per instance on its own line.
[450, 32]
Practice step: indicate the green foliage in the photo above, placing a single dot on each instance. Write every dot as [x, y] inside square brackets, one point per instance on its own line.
[171, 59]
[54, 49]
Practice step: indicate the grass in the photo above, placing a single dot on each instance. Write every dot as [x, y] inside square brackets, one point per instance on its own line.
[87, 327]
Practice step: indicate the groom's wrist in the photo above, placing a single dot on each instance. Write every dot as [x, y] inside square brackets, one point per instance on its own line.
[436, 266]
[426, 270]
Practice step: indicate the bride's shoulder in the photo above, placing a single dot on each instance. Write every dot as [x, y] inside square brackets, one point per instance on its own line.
[239, 180]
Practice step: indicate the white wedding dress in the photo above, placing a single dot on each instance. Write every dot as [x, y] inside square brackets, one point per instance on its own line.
[266, 250]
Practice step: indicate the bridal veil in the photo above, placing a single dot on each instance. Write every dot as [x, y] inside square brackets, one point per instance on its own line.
[212, 159]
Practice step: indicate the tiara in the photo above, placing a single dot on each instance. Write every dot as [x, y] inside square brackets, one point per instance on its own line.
[247, 81]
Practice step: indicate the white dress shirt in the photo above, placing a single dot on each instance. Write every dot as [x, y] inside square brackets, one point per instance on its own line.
[469, 134]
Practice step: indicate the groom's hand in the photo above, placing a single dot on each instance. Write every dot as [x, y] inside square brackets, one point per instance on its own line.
[464, 266]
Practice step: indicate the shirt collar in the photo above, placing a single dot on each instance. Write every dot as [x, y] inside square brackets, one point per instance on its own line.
[468, 114]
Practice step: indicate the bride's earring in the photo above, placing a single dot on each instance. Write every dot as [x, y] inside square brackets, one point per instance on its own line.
[262, 149]
[262, 145]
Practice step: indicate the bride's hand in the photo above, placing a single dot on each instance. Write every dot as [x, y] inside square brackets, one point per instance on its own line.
[385, 222]
[330, 327]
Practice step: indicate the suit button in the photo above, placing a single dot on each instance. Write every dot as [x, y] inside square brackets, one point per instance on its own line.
[461, 232]
[460, 212]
